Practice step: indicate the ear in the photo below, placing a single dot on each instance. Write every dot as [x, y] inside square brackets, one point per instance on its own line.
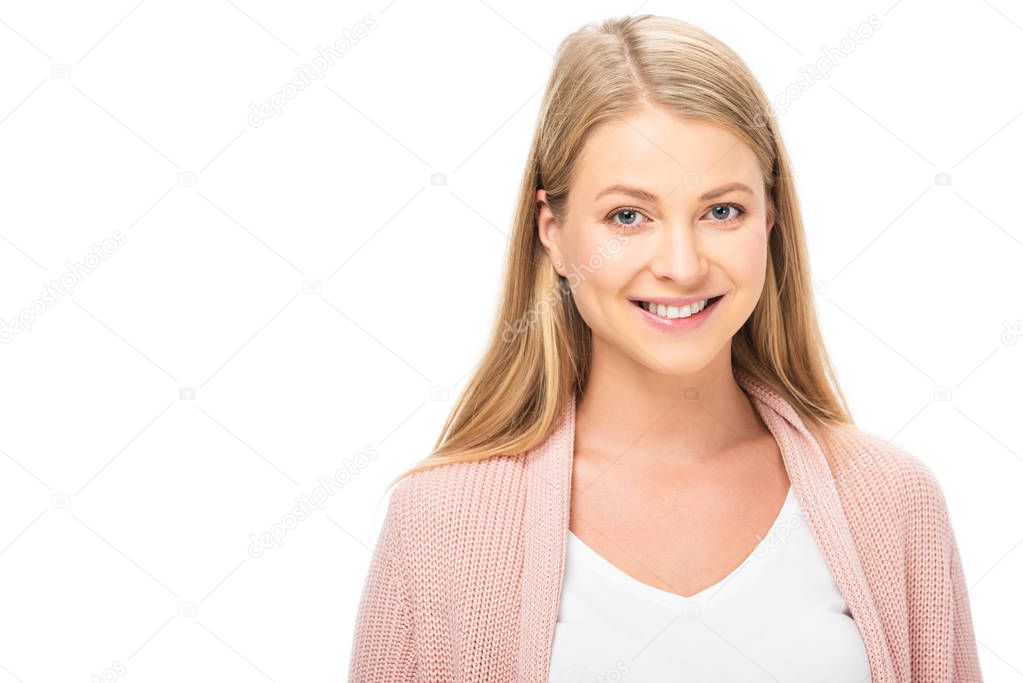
[548, 229]
[771, 215]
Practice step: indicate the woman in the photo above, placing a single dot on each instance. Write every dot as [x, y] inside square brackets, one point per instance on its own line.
[651, 475]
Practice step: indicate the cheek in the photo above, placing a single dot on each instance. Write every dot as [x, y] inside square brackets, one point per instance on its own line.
[745, 265]
[602, 267]
[744, 258]
[599, 261]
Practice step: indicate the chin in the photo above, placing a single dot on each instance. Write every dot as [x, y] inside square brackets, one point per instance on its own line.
[672, 361]
[684, 367]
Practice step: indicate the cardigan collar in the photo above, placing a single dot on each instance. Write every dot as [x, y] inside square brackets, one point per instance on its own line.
[548, 471]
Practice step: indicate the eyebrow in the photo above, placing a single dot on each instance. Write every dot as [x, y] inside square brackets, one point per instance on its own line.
[650, 197]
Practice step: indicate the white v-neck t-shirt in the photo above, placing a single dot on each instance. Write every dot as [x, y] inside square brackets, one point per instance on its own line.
[776, 617]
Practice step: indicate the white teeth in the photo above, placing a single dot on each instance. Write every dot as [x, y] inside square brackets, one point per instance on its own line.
[672, 312]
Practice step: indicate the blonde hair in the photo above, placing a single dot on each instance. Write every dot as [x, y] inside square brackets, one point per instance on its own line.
[603, 72]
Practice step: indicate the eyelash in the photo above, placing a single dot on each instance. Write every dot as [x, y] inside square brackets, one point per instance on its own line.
[738, 207]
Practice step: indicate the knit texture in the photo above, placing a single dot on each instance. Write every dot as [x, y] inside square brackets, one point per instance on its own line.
[465, 580]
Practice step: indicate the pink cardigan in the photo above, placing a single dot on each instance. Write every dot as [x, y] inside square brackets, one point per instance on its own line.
[465, 580]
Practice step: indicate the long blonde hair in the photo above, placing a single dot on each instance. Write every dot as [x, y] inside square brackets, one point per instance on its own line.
[539, 348]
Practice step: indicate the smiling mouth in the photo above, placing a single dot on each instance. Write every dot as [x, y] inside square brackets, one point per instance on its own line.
[676, 312]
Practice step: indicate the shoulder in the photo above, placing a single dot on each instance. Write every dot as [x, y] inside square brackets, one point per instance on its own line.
[872, 471]
[454, 498]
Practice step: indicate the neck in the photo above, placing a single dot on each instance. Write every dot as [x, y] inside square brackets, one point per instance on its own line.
[682, 419]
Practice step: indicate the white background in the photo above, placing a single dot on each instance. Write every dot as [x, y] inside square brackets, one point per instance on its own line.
[321, 298]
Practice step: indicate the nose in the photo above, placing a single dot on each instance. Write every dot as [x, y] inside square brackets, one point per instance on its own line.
[679, 255]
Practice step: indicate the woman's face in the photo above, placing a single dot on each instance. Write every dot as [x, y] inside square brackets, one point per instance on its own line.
[662, 208]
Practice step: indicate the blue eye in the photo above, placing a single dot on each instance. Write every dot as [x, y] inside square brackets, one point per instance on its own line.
[631, 221]
[629, 218]
[715, 210]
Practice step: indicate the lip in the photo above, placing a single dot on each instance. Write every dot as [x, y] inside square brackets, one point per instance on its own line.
[675, 300]
[677, 324]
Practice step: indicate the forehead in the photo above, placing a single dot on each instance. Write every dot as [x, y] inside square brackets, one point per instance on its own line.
[660, 151]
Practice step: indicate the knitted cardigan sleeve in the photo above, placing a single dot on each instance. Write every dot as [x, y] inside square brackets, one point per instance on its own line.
[965, 661]
[942, 641]
[383, 647]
